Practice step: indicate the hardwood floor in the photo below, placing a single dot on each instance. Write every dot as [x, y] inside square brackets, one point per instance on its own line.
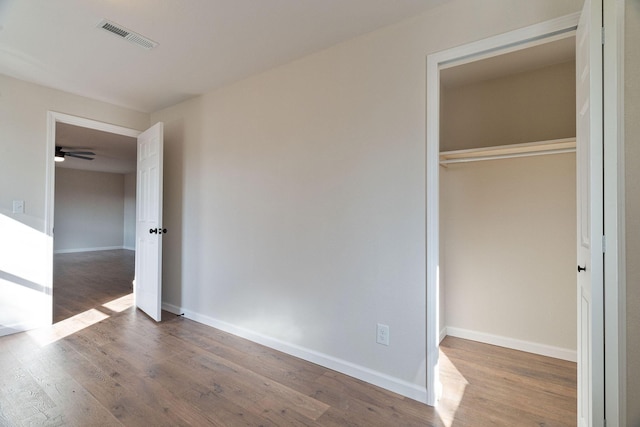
[111, 365]
[485, 385]
[85, 280]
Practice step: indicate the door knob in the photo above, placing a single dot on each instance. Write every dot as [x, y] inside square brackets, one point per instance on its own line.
[153, 230]
[582, 268]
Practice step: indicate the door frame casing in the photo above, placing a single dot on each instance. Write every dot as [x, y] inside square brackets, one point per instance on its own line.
[53, 118]
[493, 46]
[614, 212]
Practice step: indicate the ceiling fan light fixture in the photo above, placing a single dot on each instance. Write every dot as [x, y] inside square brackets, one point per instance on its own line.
[62, 153]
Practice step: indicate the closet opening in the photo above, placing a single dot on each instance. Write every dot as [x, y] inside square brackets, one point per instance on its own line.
[507, 214]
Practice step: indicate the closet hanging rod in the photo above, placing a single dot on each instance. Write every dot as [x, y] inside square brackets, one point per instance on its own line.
[556, 146]
[506, 156]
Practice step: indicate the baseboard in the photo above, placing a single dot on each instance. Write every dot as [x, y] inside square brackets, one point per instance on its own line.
[129, 248]
[515, 344]
[396, 385]
[171, 308]
[70, 251]
[443, 334]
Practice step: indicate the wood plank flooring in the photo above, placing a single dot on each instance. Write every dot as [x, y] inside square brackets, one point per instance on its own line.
[85, 280]
[485, 385]
[112, 366]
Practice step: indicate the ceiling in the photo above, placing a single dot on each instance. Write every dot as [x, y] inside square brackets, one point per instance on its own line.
[114, 153]
[203, 44]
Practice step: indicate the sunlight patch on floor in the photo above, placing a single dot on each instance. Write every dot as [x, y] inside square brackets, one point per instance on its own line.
[120, 304]
[53, 333]
[454, 385]
[50, 334]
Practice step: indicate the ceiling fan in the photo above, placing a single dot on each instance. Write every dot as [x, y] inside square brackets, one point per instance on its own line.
[62, 152]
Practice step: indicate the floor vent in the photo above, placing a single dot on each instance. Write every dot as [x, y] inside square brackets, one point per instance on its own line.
[128, 35]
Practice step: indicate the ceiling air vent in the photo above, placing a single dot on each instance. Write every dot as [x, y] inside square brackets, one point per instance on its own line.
[128, 35]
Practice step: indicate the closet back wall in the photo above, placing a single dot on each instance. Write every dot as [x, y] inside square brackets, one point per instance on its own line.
[531, 106]
[508, 226]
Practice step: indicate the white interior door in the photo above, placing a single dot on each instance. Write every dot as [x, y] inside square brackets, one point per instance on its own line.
[149, 230]
[589, 127]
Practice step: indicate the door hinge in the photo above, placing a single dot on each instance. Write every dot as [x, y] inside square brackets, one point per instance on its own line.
[604, 244]
[602, 35]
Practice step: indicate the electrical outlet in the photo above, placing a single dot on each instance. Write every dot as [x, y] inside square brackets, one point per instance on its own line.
[18, 206]
[382, 334]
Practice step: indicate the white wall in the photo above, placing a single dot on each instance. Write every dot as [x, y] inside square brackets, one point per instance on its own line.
[25, 248]
[89, 210]
[129, 238]
[295, 199]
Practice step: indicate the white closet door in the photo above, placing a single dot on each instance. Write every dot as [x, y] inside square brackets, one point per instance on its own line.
[589, 146]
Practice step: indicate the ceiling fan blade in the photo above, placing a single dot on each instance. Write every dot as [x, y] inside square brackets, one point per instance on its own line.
[67, 149]
[77, 156]
[90, 153]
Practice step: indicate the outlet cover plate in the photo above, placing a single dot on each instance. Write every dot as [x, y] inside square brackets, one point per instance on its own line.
[18, 206]
[382, 334]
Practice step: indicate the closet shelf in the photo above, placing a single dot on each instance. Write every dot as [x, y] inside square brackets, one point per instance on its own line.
[555, 146]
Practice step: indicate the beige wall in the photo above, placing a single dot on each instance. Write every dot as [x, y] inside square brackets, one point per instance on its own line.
[295, 199]
[531, 106]
[509, 232]
[632, 211]
[89, 210]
